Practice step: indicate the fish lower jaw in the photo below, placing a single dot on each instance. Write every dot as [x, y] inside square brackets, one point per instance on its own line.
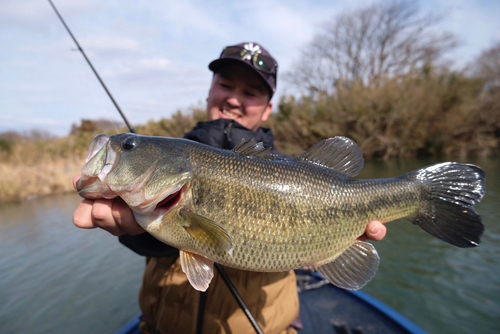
[92, 188]
[148, 222]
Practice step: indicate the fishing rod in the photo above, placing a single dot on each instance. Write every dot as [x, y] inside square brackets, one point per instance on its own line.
[219, 268]
[238, 298]
[93, 69]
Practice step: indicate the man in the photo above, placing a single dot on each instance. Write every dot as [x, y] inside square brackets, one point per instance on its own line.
[239, 101]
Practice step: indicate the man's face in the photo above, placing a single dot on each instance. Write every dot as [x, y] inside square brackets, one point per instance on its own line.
[239, 93]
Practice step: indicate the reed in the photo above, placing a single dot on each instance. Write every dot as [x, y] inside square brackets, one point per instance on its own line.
[20, 182]
[31, 168]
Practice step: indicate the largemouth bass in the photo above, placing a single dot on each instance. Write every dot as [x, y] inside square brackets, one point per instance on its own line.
[250, 210]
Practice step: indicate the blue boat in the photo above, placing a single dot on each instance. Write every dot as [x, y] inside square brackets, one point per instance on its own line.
[324, 308]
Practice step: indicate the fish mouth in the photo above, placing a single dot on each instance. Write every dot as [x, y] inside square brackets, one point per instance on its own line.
[169, 203]
[97, 145]
[151, 215]
[98, 164]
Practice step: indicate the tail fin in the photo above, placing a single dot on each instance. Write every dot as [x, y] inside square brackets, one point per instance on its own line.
[451, 190]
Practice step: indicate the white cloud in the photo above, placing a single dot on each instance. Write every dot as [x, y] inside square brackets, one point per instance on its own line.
[154, 64]
[194, 16]
[115, 43]
[34, 14]
[153, 55]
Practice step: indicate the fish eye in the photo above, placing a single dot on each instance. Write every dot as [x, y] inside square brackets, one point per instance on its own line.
[129, 143]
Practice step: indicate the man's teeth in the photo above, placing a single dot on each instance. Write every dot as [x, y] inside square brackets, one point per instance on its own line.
[231, 115]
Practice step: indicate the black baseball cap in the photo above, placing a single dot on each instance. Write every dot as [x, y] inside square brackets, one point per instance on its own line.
[253, 56]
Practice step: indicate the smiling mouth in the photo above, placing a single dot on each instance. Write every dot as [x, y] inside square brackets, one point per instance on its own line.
[230, 114]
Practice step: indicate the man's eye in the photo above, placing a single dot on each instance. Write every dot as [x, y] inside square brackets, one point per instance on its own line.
[223, 85]
[252, 94]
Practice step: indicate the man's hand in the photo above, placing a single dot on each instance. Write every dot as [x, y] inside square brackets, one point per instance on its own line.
[375, 231]
[112, 215]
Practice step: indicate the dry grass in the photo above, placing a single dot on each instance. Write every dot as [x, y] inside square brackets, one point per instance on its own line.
[19, 182]
[43, 167]
[33, 168]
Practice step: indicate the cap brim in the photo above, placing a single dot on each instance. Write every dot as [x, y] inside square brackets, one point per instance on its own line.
[219, 63]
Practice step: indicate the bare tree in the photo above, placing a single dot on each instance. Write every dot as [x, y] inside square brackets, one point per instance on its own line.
[487, 66]
[101, 124]
[383, 39]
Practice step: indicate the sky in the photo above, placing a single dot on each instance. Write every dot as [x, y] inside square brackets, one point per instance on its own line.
[153, 55]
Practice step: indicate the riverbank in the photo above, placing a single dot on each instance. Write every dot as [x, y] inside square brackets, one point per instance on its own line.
[432, 113]
[22, 182]
[35, 168]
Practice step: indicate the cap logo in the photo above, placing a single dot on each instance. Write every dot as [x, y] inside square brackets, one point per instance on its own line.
[252, 50]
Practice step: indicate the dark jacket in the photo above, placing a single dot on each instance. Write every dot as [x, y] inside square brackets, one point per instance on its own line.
[222, 133]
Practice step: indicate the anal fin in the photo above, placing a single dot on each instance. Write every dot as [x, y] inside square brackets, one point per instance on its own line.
[353, 268]
[199, 270]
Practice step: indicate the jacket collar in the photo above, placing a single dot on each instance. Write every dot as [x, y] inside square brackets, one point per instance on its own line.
[226, 134]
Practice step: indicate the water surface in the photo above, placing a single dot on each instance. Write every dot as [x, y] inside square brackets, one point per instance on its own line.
[442, 288]
[56, 278]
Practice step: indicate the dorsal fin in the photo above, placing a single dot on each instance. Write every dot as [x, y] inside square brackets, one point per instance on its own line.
[338, 153]
[251, 148]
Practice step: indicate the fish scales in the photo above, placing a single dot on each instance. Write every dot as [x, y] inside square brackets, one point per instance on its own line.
[246, 211]
[293, 210]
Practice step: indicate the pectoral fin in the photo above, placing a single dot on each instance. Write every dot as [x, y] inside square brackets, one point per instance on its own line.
[353, 268]
[207, 232]
[199, 270]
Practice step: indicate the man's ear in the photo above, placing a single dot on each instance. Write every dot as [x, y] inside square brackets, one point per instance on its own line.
[267, 112]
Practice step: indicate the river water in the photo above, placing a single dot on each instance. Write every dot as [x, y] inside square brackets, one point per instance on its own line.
[56, 278]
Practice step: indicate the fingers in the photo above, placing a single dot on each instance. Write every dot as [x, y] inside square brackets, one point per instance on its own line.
[82, 216]
[124, 217]
[112, 215]
[375, 231]
[102, 216]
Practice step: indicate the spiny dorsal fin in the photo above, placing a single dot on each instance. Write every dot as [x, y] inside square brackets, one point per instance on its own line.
[338, 153]
[353, 268]
[251, 148]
